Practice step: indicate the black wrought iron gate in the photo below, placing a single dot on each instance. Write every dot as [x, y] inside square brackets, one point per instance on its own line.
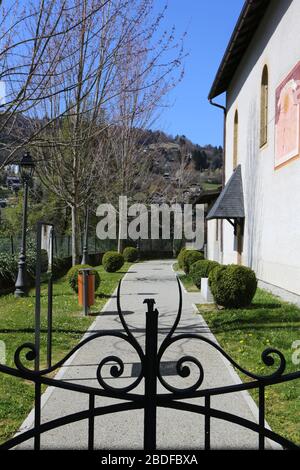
[151, 373]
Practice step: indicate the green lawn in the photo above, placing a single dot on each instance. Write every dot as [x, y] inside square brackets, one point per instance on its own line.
[185, 279]
[17, 327]
[245, 333]
[188, 283]
[210, 186]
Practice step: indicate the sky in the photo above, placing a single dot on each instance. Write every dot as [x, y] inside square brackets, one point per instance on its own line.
[209, 24]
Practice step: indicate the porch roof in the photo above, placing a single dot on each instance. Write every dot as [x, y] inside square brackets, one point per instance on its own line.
[230, 203]
[208, 196]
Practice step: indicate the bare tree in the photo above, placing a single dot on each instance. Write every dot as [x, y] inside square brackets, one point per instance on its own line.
[68, 163]
[114, 75]
[34, 59]
[146, 71]
[184, 172]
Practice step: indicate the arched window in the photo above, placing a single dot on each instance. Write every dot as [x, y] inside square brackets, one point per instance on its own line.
[264, 106]
[235, 139]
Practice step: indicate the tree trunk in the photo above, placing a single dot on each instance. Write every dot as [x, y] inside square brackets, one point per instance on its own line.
[122, 223]
[120, 244]
[75, 231]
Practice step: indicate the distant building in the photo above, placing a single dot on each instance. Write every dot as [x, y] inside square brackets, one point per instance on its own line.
[13, 183]
[256, 219]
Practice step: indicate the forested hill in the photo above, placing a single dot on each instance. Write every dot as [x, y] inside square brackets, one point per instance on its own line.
[207, 157]
[179, 167]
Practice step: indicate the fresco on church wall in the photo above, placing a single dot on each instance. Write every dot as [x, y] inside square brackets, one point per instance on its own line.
[287, 118]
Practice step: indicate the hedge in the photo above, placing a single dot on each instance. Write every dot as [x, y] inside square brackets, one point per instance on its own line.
[130, 254]
[189, 258]
[72, 276]
[112, 261]
[9, 268]
[180, 257]
[233, 286]
[201, 269]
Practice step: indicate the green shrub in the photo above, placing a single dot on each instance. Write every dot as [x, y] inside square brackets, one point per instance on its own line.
[72, 276]
[201, 269]
[31, 262]
[112, 261]
[190, 258]
[8, 271]
[215, 273]
[8, 267]
[130, 254]
[233, 286]
[9, 263]
[60, 267]
[180, 257]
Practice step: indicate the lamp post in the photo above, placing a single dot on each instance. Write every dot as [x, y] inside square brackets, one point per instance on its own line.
[26, 168]
[85, 251]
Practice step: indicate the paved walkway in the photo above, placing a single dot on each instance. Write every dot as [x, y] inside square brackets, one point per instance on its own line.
[176, 429]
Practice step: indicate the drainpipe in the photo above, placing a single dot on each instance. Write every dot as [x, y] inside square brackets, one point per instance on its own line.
[224, 137]
[223, 168]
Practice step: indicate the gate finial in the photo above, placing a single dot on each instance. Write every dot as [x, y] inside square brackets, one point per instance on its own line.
[150, 303]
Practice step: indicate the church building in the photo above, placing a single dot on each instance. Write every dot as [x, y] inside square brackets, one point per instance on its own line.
[256, 218]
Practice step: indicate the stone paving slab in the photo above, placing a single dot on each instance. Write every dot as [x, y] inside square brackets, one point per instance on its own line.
[175, 429]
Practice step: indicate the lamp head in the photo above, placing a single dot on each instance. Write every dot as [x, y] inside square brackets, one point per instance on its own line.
[26, 167]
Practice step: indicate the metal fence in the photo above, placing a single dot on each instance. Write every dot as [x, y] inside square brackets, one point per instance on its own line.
[63, 245]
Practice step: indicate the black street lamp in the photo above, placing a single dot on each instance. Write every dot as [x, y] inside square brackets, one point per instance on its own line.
[26, 168]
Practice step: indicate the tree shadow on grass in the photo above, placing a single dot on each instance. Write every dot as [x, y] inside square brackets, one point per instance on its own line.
[59, 294]
[259, 316]
[256, 306]
[43, 331]
[254, 327]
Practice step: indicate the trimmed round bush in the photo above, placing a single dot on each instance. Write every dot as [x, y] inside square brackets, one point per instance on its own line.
[72, 276]
[190, 258]
[130, 254]
[201, 269]
[233, 286]
[180, 257]
[215, 273]
[112, 261]
[61, 266]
